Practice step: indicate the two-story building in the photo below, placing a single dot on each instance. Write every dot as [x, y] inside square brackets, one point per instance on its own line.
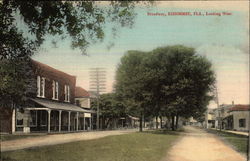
[82, 99]
[53, 109]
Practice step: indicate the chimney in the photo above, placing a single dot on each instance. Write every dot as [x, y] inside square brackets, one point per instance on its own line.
[232, 102]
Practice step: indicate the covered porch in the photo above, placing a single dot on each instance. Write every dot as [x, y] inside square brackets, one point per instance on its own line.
[52, 117]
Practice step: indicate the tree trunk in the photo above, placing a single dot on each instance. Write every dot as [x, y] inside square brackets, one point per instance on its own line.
[156, 121]
[140, 129]
[177, 119]
[144, 123]
[172, 126]
[161, 121]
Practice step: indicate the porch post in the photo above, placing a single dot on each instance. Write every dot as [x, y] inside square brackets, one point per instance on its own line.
[49, 120]
[60, 120]
[77, 114]
[83, 121]
[90, 122]
[69, 121]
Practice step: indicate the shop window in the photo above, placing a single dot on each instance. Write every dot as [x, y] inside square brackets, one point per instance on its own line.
[43, 118]
[19, 122]
[33, 120]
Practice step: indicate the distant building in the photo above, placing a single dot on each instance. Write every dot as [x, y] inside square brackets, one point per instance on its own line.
[233, 117]
[237, 118]
[82, 99]
[210, 118]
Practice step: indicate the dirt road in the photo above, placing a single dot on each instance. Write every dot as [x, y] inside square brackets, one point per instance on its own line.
[198, 145]
[58, 139]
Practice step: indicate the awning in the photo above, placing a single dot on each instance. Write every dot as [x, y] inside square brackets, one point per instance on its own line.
[133, 118]
[60, 106]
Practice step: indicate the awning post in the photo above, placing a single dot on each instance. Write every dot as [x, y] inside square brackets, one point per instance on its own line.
[60, 120]
[69, 121]
[77, 114]
[48, 120]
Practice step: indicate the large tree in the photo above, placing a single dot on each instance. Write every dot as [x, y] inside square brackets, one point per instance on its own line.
[24, 26]
[172, 81]
[130, 82]
[188, 81]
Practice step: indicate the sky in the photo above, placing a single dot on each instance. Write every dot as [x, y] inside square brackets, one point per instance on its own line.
[223, 39]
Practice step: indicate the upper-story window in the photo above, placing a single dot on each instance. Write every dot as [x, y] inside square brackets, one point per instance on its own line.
[67, 93]
[55, 90]
[40, 86]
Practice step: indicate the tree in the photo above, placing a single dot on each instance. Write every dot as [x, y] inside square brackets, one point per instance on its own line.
[172, 81]
[187, 81]
[130, 82]
[110, 110]
[82, 21]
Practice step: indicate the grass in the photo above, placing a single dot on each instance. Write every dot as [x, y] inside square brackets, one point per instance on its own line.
[238, 142]
[145, 146]
[7, 137]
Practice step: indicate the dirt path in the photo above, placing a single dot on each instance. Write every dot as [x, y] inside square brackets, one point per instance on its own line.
[58, 139]
[198, 145]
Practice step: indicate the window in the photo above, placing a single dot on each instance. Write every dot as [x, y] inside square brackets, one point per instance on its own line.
[55, 90]
[40, 86]
[33, 120]
[67, 93]
[19, 122]
[19, 118]
[78, 102]
[242, 122]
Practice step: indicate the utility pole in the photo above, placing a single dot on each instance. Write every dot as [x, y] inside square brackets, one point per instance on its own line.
[218, 107]
[98, 85]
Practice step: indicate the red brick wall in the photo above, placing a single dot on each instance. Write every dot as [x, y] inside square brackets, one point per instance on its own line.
[62, 78]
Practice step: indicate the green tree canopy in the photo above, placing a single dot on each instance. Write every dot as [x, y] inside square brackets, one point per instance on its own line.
[170, 81]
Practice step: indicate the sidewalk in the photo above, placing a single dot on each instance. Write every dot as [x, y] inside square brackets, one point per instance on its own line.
[58, 139]
[198, 145]
[234, 132]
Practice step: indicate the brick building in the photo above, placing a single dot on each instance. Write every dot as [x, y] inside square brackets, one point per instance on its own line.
[53, 109]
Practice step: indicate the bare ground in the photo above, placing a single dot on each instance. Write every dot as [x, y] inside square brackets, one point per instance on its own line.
[198, 145]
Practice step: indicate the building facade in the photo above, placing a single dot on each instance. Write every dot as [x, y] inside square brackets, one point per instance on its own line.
[82, 99]
[238, 118]
[53, 109]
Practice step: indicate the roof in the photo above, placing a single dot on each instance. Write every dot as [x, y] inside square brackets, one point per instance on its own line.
[55, 72]
[60, 106]
[240, 108]
[80, 92]
[133, 118]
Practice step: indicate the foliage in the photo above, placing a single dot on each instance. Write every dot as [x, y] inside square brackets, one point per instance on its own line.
[13, 88]
[82, 21]
[131, 82]
[25, 25]
[109, 106]
[170, 81]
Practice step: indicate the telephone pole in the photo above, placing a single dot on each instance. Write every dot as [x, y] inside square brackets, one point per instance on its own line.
[218, 107]
[98, 85]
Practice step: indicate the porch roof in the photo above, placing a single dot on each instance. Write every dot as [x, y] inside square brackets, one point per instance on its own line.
[60, 106]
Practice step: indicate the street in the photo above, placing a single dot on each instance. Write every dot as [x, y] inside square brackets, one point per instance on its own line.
[198, 145]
